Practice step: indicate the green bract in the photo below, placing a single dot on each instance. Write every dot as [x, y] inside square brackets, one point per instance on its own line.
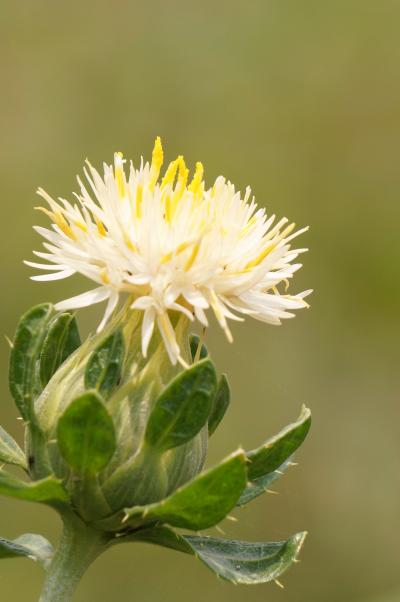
[116, 443]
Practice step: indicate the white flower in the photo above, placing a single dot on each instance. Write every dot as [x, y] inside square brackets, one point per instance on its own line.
[171, 245]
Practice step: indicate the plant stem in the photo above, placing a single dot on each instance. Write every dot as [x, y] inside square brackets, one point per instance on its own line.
[79, 546]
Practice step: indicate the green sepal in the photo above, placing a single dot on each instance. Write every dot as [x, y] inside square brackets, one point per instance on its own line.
[268, 462]
[86, 435]
[104, 367]
[194, 342]
[33, 546]
[10, 452]
[46, 491]
[201, 503]
[24, 379]
[183, 407]
[61, 340]
[235, 561]
[220, 404]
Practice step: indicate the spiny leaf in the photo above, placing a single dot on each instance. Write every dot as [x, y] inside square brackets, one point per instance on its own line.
[246, 562]
[61, 340]
[276, 450]
[183, 407]
[10, 452]
[233, 560]
[105, 364]
[261, 485]
[29, 545]
[46, 491]
[201, 503]
[194, 342]
[268, 462]
[220, 404]
[86, 435]
[24, 380]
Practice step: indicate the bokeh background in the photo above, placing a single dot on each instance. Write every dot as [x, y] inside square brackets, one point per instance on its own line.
[301, 100]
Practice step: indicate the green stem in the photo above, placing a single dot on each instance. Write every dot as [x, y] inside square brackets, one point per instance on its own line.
[79, 547]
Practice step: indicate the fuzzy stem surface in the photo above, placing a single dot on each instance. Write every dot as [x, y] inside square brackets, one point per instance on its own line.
[79, 546]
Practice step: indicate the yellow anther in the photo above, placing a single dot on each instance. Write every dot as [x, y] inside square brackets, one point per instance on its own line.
[183, 173]
[139, 198]
[100, 227]
[288, 230]
[80, 225]
[192, 257]
[64, 225]
[119, 174]
[59, 220]
[249, 225]
[261, 256]
[157, 159]
[170, 174]
[129, 243]
[168, 256]
[104, 277]
[195, 184]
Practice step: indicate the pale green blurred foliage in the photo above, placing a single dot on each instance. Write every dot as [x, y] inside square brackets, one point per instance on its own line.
[302, 101]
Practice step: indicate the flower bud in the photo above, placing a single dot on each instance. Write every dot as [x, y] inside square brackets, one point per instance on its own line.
[155, 450]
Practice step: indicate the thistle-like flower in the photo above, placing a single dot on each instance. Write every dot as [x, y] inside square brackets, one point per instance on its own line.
[117, 426]
[172, 246]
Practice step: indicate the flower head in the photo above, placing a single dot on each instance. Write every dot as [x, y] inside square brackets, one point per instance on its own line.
[172, 245]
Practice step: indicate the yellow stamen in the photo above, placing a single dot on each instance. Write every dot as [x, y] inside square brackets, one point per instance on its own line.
[220, 316]
[119, 174]
[129, 243]
[81, 225]
[157, 159]
[139, 198]
[195, 184]
[104, 276]
[261, 256]
[192, 257]
[170, 174]
[168, 256]
[288, 230]
[100, 227]
[247, 227]
[59, 220]
[180, 185]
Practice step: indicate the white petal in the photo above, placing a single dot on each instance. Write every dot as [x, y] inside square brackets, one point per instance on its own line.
[55, 276]
[111, 305]
[89, 298]
[147, 329]
[168, 336]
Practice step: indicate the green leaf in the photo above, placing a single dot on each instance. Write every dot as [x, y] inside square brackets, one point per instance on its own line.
[25, 384]
[10, 452]
[261, 485]
[46, 491]
[268, 462]
[201, 503]
[235, 561]
[194, 342]
[183, 407]
[86, 435]
[29, 545]
[61, 340]
[220, 404]
[104, 368]
[246, 562]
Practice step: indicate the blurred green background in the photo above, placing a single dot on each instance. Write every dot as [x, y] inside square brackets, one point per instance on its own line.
[301, 100]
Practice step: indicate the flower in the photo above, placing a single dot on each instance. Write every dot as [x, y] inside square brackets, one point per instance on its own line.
[172, 246]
